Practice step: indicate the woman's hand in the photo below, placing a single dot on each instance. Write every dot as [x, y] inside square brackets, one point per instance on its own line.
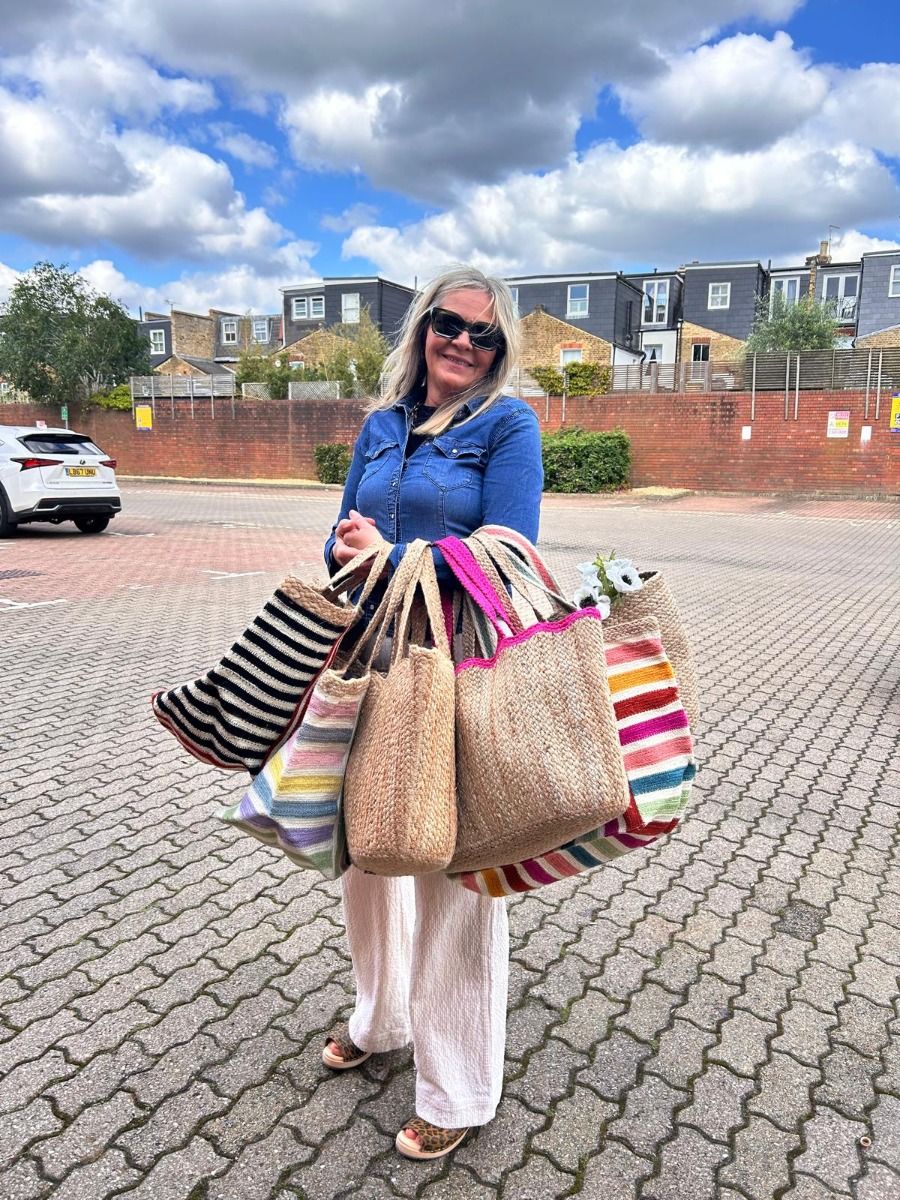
[353, 535]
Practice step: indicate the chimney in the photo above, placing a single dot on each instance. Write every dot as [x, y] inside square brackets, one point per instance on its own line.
[813, 262]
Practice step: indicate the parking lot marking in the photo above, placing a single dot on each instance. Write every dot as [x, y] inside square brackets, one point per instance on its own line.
[8, 605]
[230, 574]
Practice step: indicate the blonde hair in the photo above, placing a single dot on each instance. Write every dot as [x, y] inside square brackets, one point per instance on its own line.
[404, 367]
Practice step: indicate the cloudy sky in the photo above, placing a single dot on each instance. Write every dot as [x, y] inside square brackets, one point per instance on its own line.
[199, 153]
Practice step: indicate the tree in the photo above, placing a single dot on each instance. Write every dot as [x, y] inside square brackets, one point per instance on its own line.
[275, 371]
[60, 340]
[806, 325]
[370, 350]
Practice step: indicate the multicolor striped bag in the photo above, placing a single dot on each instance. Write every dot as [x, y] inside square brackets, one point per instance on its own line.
[235, 714]
[295, 802]
[654, 734]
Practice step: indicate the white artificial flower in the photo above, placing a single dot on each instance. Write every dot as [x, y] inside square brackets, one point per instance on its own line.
[587, 597]
[623, 575]
[589, 575]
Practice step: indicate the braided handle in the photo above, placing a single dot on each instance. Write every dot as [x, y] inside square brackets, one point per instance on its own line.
[476, 584]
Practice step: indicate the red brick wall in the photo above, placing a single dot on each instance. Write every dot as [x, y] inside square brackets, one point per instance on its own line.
[678, 440]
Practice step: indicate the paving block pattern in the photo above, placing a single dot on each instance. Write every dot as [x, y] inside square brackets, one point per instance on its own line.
[716, 1017]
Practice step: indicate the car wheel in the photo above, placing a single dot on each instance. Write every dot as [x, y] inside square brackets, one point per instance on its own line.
[7, 524]
[91, 524]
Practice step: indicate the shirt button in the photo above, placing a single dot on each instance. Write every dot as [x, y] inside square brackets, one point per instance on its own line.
[454, 452]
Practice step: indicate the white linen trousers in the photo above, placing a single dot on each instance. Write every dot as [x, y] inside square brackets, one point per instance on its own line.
[431, 961]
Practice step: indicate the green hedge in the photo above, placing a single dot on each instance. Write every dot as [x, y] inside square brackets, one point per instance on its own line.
[332, 462]
[118, 399]
[575, 461]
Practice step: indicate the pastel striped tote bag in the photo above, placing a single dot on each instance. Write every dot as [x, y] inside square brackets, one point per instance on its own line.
[657, 752]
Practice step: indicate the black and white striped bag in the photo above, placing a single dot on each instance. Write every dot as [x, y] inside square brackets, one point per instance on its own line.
[236, 714]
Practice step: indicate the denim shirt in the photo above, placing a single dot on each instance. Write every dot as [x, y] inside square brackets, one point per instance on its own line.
[487, 470]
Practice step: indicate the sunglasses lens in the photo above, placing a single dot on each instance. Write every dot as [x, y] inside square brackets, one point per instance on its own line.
[485, 337]
[450, 325]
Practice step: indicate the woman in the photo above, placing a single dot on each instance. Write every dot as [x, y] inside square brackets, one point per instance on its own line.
[443, 452]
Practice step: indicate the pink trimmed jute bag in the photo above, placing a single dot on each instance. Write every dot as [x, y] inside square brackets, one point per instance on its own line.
[653, 729]
[537, 751]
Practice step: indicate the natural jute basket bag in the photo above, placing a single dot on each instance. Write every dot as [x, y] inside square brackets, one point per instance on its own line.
[538, 756]
[400, 783]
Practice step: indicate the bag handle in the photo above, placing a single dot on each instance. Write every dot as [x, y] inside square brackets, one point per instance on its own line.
[522, 573]
[373, 636]
[426, 582]
[378, 553]
[526, 549]
[477, 585]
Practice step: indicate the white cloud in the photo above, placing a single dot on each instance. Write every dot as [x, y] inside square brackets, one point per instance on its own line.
[741, 94]
[180, 202]
[435, 97]
[7, 278]
[350, 218]
[645, 205]
[866, 101]
[43, 150]
[99, 81]
[239, 288]
[246, 149]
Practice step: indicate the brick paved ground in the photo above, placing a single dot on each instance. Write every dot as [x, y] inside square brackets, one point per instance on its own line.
[716, 1019]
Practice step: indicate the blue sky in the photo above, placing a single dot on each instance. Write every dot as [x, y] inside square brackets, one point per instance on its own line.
[208, 154]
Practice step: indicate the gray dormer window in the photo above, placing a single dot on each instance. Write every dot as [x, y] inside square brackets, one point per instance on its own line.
[157, 341]
[300, 308]
[894, 282]
[577, 301]
[719, 295]
[229, 329]
[317, 308]
[656, 301]
[350, 308]
[260, 329]
[788, 288]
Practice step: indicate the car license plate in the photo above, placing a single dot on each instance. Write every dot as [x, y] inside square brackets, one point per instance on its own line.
[81, 472]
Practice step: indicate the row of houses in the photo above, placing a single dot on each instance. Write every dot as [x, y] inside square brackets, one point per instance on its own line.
[701, 312]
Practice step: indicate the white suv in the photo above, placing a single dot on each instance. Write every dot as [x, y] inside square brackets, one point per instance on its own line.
[55, 475]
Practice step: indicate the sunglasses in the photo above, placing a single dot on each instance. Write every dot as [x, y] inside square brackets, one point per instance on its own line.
[482, 335]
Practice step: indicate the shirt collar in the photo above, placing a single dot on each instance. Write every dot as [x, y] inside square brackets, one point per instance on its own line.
[406, 402]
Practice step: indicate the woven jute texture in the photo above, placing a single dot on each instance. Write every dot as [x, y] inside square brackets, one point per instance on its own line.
[400, 783]
[537, 749]
[655, 599]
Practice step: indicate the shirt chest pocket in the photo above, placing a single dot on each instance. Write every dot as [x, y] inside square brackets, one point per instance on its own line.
[377, 458]
[455, 464]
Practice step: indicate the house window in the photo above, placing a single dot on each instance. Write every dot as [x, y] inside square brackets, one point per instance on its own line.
[700, 352]
[840, 291]
[514, 292]
[260, 329]
[894, 283]
[788, 289]
[653, 352]
[317, 308]
[577, 303]
[570, 356]
[157, 341]
[300, 308]
[656, 301]
[719, 295]
[230, 330]
[350, 308]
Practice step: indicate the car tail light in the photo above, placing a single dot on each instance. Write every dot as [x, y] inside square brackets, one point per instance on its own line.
[27, 464]
[108, 462]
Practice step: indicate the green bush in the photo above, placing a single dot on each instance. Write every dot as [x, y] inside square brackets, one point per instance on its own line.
[119, 398]
[575, 461]
[332, 462]
[576, 379]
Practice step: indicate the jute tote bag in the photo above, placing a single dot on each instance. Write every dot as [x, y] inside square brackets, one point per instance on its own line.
[400, 783]
[537, 750]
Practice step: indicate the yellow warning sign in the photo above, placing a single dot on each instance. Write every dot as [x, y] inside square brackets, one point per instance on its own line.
[143, 416]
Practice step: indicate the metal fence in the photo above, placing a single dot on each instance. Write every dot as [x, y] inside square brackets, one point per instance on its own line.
[320, 389]
[173, 387]
[875, 372]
